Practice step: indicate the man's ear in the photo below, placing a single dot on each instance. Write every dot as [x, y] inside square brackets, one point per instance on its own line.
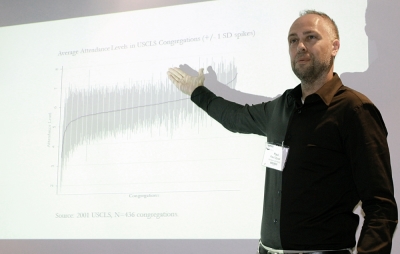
[335, 47]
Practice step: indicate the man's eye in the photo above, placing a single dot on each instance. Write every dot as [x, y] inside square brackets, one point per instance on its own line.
[292, 41]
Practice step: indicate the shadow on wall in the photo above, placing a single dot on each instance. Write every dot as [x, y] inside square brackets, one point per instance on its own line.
[381, 81]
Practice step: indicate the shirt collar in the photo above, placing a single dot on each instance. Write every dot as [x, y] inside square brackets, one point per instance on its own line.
[329, 89]
[326, 92]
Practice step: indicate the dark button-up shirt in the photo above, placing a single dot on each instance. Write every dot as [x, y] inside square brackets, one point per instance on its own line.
[338, 155]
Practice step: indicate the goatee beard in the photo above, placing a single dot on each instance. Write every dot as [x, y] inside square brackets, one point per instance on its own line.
[311, 73]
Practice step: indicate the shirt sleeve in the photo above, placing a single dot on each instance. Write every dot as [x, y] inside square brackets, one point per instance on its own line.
[367, 149]
[234, 117]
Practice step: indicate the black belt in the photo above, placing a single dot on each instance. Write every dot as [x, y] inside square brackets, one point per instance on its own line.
[264, 251]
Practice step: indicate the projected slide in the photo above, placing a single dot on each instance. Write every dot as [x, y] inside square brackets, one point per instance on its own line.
[127, 131]
[101, 145]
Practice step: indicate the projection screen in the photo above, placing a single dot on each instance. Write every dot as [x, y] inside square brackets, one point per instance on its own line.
[101, 153]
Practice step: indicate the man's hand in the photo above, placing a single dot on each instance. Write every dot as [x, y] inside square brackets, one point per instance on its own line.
[185, 82]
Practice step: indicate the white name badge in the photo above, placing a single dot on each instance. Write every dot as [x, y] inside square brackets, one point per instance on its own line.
[275, 156]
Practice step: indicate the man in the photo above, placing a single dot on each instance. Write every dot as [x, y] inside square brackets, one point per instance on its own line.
[337, 152]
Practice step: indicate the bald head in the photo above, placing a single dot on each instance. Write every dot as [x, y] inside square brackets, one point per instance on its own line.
[313, 45]
[331, 25]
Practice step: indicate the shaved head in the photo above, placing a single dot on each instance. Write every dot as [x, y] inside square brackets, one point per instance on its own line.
[331, 23]
[313, 46]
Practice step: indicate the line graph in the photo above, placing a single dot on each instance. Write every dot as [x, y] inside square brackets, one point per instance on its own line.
[120, 128]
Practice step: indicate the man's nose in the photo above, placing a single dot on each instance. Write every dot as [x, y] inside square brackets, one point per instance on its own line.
[301, 47]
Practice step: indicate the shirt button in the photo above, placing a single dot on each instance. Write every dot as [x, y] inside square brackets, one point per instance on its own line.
[279, 192]
[275, 221]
